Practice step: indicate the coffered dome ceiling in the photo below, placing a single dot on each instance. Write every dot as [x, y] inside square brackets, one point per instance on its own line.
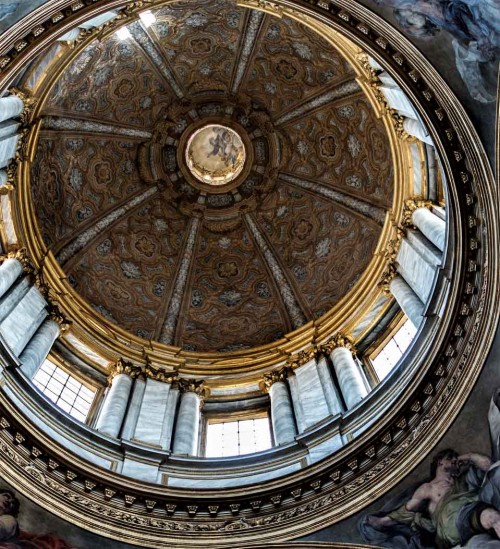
[220, 261]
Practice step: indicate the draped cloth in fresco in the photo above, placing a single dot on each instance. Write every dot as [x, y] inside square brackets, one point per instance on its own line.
[34, 541]
[421, 534]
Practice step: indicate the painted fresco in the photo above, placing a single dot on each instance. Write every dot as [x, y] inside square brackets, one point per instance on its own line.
[24, 525]
[474, 26]
[458, 505]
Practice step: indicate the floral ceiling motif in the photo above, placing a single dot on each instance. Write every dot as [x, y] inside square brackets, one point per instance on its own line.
[269, 253]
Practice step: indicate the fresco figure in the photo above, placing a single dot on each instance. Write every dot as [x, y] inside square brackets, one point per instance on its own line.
[458, 507]
[474, 24]
[11, 537]
[9, 509]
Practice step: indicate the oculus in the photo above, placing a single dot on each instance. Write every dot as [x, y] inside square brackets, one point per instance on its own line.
[215, 154]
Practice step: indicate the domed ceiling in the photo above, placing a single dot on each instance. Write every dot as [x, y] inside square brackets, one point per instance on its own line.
[226, 260]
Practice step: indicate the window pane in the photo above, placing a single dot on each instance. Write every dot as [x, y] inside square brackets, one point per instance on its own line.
[66, 391]
[394, 349]
[233, 438]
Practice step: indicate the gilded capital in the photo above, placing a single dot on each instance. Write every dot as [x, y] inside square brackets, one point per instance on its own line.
[159, 374]
[301, 358]
[194, 386]
[29, 103]
[22, 256]
[387, 276]
[338, 340]
[280, 374]
[410, 206]
[123, 367]
[56, 315]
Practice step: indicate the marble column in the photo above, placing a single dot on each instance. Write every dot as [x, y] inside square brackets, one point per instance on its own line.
[38, 347]
[169, 419]
[134, 407]
[407, 299]
[188, 417]
[348, 372]
[282, 417]
[417, 129]
[10, 270]
[8, 148]
[13, 296]
[431, 226]
[10, 107]
[116, 399]
[295, 393]
[330, 391]
[424, 247]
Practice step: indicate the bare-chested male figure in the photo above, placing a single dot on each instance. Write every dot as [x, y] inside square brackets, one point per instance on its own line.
[456, 513]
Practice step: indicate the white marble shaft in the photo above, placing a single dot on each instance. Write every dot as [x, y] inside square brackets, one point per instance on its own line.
[408, 300]
[424, 247]
[188, 424]
[8, 147]
[295, 389]
[10, 107]
[311, 393]
[349, 376]
[3, 178]
[23, 321]
[134, 407]
[332, 396]
[282, 414]
[418, 130]
[115, 405]
[415, 270]
[431, 226]
[10, 270]
[153, 408]
[13, 296]
[38, 348]
[169, 419]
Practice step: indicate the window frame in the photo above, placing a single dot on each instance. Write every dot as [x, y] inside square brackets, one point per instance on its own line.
[60, 363]
[377, 346]
[228, 417]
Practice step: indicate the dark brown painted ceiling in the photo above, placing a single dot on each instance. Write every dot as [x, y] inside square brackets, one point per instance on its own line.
[169, 261]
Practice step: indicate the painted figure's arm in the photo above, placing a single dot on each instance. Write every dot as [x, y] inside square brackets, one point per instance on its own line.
[480, 461]
[8, 527]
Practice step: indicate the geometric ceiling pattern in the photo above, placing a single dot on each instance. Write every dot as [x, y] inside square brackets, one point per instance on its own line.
[170, 259]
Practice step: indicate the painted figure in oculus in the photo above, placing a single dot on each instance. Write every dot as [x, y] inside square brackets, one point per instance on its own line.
[458, 507]
[475, 26]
